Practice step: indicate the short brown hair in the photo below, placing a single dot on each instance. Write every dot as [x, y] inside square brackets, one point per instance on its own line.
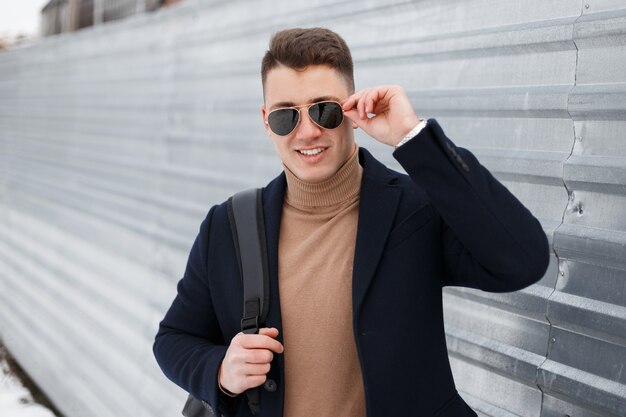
[298, 48]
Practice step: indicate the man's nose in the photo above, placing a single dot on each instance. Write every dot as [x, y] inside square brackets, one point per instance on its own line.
[307, 130]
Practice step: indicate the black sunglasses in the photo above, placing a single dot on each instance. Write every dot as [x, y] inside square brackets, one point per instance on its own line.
[325, 114]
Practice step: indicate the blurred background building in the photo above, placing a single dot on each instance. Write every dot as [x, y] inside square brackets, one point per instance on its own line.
[60, 16]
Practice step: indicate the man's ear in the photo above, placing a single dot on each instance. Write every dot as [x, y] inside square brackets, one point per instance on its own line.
[264, 116]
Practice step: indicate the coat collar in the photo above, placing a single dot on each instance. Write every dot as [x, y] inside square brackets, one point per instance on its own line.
[377, 208]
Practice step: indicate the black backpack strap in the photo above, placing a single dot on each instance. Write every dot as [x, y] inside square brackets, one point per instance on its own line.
[245, 213]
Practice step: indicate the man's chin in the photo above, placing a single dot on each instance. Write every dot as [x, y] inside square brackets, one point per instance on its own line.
[312, 175]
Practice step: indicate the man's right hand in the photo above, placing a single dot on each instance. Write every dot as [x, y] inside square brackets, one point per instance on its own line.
[248, 359]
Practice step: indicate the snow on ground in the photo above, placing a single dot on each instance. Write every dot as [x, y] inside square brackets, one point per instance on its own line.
[15, 400]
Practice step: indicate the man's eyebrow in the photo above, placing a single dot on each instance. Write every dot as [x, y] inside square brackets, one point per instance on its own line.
[325, 98]
[282, 104]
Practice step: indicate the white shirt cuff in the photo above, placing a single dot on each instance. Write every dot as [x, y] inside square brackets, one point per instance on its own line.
[421, 125]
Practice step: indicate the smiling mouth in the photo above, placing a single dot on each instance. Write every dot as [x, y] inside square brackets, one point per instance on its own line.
[311, 152]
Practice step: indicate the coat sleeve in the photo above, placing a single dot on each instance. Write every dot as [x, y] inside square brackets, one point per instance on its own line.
[189, 345]
[490, 240]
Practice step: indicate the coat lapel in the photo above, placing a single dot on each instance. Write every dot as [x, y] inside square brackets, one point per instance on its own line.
[377, 209]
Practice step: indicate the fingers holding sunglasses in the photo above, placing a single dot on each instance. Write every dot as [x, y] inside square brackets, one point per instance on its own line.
[374, 126]
[374, 102]
[393, 114]
[355, 102]
[378, 100]
[364, 102]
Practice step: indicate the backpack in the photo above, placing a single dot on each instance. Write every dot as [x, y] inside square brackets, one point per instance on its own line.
[245, 215]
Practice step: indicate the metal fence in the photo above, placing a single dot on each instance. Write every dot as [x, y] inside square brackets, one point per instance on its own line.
[114, 142]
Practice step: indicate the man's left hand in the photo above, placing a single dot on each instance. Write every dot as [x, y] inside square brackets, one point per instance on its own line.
[392, 117]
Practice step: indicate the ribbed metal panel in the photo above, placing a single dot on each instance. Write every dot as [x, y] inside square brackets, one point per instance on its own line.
[584, 369]
[114, 142]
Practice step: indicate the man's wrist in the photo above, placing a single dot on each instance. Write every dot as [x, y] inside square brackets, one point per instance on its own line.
[225, 391]
[412, 133]
[222, 389]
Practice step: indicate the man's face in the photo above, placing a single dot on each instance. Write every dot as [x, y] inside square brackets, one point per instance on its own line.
[286, 87]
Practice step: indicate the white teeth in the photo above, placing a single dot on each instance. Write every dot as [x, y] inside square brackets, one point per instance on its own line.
[310, 152]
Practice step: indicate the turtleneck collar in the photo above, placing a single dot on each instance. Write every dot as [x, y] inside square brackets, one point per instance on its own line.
[344, 185]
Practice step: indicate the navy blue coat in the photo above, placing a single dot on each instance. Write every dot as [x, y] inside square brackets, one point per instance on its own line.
[448, 223]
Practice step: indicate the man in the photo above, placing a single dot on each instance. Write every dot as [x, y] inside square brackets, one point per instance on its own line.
[358, 255]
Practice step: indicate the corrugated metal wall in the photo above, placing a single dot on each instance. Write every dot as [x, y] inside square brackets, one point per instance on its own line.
[115, 140]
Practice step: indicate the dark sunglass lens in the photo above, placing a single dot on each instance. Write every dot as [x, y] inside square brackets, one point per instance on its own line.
[283, 121]
[328, 115]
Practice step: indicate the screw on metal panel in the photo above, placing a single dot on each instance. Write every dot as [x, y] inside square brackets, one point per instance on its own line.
[580, 209]
[586, 6]
[553, 340]
[580, 138]
[562, 273]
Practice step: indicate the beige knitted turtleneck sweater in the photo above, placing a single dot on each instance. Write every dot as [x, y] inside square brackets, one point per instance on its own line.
[316, 254]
